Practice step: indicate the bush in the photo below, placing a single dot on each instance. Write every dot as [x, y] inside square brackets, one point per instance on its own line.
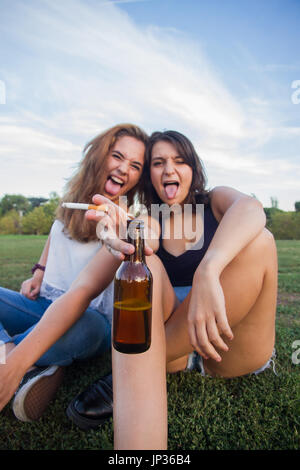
[37, 222]
[285, 225]
[10, 223]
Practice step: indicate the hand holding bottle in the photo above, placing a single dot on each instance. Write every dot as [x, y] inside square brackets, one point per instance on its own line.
[112, 227]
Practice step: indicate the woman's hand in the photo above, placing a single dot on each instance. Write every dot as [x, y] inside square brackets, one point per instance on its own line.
[10, 377]
[31, 287]
[112, 227]
[207, 318]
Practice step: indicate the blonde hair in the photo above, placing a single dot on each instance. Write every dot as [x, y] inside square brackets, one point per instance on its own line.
[89, 180]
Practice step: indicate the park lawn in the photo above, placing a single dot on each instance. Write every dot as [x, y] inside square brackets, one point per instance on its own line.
[253, 412]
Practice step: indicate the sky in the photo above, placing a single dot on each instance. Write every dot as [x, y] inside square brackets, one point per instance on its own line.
[226, 73]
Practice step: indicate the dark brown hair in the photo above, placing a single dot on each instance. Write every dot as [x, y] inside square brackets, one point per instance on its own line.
[89, 180]
[186, 150]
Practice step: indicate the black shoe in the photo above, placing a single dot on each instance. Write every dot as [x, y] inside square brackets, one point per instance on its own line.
[37, 388]
[94, 406]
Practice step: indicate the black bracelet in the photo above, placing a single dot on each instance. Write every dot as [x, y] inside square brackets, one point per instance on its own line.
[38, 266]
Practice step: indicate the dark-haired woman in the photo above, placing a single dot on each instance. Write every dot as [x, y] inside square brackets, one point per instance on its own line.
[213, 306]
[55, 320]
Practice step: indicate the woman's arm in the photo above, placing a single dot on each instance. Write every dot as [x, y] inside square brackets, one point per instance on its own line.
[67, 309]
[241, 219]
[57, 319]
[31, 287]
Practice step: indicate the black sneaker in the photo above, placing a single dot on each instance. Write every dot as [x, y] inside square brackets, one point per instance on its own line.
[195, 362]
[93, 406]
[37, 388]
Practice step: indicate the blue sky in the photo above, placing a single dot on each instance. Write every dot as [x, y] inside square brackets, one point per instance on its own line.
[219, 71]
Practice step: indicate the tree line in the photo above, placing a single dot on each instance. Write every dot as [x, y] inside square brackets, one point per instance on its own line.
[33, 215]
[27, 215]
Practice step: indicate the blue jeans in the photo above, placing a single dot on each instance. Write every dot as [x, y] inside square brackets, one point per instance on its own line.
[89, 336]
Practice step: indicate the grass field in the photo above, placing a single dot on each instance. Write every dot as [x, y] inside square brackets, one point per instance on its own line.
[255, 412]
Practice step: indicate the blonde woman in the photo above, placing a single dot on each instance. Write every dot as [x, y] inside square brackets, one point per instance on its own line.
[52, 321]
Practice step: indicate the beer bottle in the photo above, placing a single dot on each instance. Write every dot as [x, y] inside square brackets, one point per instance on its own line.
[133, 297]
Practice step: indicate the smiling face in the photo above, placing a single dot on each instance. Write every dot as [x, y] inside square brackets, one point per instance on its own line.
[124, 166]
[170, 175]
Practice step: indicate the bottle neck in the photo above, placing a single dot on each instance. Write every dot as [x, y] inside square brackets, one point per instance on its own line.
[135, 236]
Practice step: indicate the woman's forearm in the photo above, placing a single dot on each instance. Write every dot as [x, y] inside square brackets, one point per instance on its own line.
[241, 223]
[66, 310]
[44, 255]
[58, 318]
[39, 274]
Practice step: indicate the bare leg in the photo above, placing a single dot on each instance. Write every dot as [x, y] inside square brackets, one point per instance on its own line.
[250, 288]
[249, 283]
[139, 380]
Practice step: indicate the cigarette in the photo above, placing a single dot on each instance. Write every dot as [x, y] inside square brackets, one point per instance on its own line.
[85, 207]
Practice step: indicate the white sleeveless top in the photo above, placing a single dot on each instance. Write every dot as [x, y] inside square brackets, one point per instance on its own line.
[66, 258]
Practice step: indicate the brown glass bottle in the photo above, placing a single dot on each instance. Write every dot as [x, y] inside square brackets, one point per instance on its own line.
[133, 297]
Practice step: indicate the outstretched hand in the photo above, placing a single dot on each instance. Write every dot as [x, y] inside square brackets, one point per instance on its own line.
[207, 318]
[111, 227]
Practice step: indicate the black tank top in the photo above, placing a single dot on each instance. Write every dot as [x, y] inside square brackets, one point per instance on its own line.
[181, 268]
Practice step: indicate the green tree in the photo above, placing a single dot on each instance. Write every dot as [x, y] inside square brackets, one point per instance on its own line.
[274, 202]
[36, 222]
[270, 213]
[51, 206]
[10, 223]
[14, 202]
[36, 201]
[297, 206]
[286, 225]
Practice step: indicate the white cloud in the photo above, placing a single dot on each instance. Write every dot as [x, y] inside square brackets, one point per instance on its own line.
[90, 66]
[19, 140]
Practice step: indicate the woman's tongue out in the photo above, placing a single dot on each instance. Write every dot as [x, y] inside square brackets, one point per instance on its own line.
[171, 190]
[112, 186]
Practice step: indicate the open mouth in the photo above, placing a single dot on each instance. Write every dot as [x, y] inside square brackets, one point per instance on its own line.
[113, 185]
[171, 188]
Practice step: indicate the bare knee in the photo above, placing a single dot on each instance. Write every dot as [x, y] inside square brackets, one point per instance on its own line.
[163, 292]
[262, 249]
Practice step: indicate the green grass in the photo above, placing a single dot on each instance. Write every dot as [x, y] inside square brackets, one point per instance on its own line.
[255, 412]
